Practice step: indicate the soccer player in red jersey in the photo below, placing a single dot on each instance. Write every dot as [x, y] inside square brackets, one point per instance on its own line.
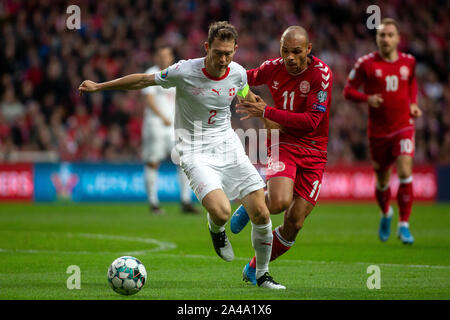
[300, 85]
[390, 89]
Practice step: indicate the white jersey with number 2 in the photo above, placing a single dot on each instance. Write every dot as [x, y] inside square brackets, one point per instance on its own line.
[202, 116]
[211, 153]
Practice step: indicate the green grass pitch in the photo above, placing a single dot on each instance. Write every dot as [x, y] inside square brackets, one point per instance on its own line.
[38, 242]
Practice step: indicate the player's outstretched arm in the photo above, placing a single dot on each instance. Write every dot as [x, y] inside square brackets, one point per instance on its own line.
[131, 82]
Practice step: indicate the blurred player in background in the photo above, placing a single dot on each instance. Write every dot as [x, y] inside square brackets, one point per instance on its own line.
[211, 153]
[300, 85]
[158, 134]
[390, 89]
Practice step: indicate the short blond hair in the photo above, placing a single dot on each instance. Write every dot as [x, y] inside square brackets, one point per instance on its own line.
[387, 21]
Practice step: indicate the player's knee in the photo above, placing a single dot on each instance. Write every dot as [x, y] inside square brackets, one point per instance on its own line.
[260, 215]
[382, 179]
[221, 212]
[279, 204]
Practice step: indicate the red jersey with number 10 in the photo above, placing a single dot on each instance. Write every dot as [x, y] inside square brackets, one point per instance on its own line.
[302, 102]
[396, 83]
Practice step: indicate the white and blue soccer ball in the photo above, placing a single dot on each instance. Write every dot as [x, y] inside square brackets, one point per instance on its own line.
[127, 275]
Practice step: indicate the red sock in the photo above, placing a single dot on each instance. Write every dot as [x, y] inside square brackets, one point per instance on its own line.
[405, 200]
[383, 199]
[278, 249]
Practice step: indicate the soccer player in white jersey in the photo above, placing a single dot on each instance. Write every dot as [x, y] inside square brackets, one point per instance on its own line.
[211, 153]
[158, 136]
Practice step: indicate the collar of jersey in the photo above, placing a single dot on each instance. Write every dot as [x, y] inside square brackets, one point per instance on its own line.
[387, 61]
[216, 78]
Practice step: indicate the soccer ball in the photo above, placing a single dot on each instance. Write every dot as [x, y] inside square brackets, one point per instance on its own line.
[127, 275]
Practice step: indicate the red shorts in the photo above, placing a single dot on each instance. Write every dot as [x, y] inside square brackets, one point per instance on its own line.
[385, 150]
[304, 166]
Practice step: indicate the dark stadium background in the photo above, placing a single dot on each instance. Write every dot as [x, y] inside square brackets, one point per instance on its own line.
[43, 119]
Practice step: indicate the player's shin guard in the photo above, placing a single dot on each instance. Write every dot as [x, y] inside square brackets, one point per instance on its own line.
[151, 176]
[262, 243]
[383, 196]
[279, 246]
[405, 198]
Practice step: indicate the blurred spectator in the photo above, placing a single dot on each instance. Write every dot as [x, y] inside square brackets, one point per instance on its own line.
[42, 63]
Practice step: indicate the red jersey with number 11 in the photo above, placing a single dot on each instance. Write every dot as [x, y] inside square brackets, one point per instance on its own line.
[302, 102]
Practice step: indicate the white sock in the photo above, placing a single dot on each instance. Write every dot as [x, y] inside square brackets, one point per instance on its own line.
[403, 224]
[406, 180]
[185, 188]
[214, 227]
[262, 239]
[283, 240]
[151, 176]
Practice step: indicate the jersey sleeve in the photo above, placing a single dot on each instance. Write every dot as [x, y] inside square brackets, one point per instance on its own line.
[355, 79]
[260, 75]
[150, 89]
[413, 84]
[171, 76]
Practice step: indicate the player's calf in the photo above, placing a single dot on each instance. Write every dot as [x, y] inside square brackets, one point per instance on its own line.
[218, 207]
[294, 218]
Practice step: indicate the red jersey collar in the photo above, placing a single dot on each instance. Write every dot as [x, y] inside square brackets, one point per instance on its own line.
[215, 78]
[387, 61]
[313, 59]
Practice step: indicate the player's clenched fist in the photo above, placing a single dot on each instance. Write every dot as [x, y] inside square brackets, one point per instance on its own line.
[88, 86]
[415, 110]
[375, 100]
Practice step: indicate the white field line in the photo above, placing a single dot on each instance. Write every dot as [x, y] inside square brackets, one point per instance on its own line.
[160, 245]
[165, 246]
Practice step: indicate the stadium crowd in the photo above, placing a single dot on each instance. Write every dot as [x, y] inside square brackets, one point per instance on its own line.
[42, 63]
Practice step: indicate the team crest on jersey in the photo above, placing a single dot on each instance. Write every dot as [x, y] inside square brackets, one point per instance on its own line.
[276, 166]
[378, 73]
[322, 96]
[304, 87]
[164, 73]
[404, 72]
[275, 85]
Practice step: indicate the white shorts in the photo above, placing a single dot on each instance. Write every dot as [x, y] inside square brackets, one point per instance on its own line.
[225, 168]
[157, 142]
